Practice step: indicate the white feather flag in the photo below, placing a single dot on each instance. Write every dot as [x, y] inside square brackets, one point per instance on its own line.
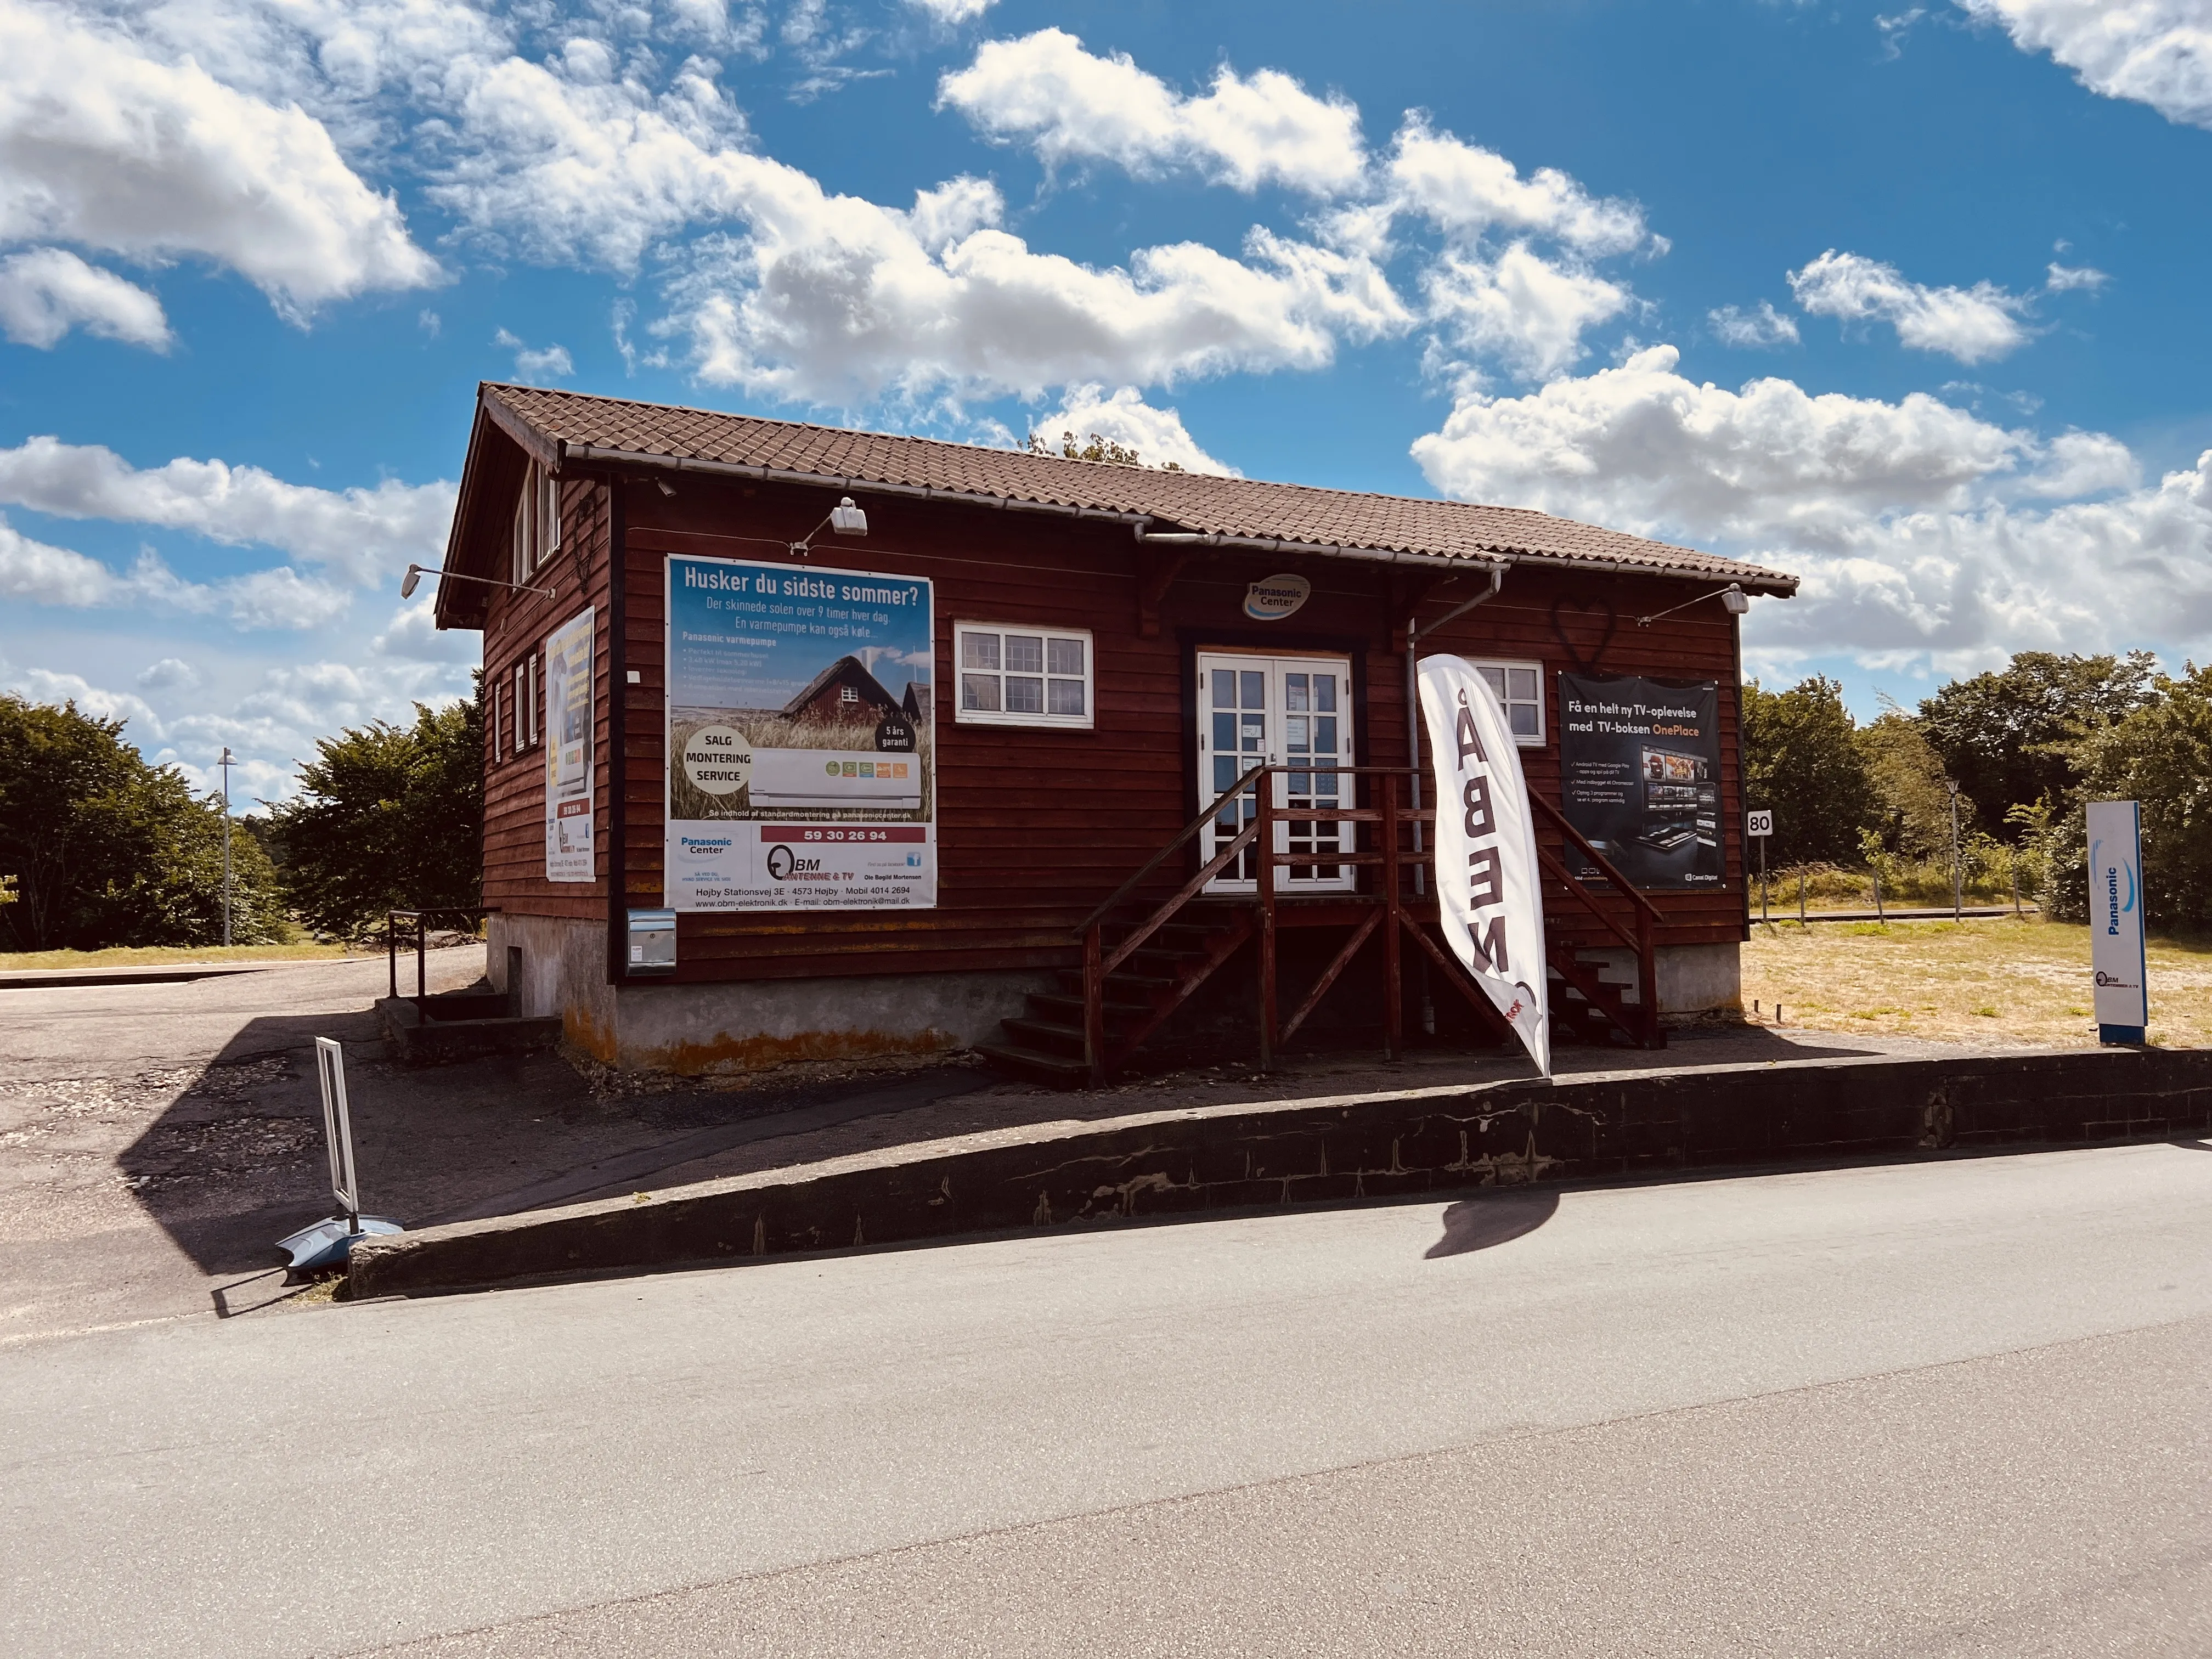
[1487, 887]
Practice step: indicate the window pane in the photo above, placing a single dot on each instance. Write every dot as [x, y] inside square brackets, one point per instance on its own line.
[1225, 772]
[1324, 692]
[1325, 735]
[1255, 689]
[1494, 679]
[1522, 683]
[978, 651]
[1522, 717]
[1224, 731]
[1064, 656]
[1224, 688]
[1024, 653]
[1067, 697]
[1294, 691]
[1294, 733]
[1024, 696]
[979, 691]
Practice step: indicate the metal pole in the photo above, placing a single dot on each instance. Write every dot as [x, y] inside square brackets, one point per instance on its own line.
[1958, 899]
[227, 763]
[1800, 895]
[1878, 915]
[2012, 870]
[1762, 877]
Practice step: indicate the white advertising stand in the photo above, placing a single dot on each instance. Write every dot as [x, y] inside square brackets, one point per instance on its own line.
[2116, 920]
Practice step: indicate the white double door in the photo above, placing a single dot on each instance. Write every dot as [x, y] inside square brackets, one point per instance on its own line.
[1281, 711]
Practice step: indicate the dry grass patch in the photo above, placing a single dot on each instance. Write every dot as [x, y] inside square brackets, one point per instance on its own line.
[1971, 982]
[171, 955]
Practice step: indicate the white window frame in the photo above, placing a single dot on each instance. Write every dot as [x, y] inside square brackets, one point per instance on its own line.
[1504, 666]
[537, 531]
[1001, 716]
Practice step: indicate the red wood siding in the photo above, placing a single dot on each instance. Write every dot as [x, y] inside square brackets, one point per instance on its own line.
[1036, 825]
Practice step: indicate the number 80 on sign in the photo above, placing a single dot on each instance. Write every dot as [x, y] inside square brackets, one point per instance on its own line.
[1759, 826]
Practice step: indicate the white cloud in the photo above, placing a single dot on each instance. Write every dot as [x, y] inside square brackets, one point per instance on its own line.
[1971, 325]
[1466, 191]
[103, 145]
[834, 299]
[43, 685]
[547, 363]
[169, 674]
[1157, 435]
[2065, 278]
[952, 11]
[45, 574]
[47, 291]
[280, 597]
[1074, 106]
[1919, 528]
[1752, 330]
[1525, 309]
[362, 534]
[413, 635]
[2157, 53]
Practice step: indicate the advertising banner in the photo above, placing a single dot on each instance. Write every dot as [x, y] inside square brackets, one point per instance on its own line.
[569, 756]
[1640, 776]
[1488, 897]
[801, 750]
[2116, 920]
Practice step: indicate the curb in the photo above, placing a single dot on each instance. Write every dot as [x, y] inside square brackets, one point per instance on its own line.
[1336, 1150]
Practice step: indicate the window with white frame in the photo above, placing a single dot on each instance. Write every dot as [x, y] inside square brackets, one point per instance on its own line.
[1520, 687]
[522, 703]
[1012, 675]
[536, 521]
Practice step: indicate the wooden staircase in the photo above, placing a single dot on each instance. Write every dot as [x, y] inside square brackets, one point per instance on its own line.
[1142, 961]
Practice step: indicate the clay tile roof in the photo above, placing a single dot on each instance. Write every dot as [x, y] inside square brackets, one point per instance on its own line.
[585, 428]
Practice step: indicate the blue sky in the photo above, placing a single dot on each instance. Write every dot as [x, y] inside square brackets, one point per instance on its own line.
[1906, 298]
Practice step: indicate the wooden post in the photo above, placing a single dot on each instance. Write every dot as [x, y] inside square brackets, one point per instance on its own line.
[1393, 1010]
[1094, 1002]
[1264, 851]
[1647, 974]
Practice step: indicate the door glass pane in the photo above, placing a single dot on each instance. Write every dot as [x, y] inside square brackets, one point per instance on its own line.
[1255, 688]
[1324, 687]
[1294, 691]
[1224, 688]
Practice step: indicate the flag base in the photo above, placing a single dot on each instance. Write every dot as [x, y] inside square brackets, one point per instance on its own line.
[2127, 1036]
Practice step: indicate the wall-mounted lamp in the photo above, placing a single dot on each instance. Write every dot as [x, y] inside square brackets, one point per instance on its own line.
[664, 487]
[415, 572]
[845, 520]
[1733, 599]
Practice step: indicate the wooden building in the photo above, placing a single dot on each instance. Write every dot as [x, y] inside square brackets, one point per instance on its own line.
[669, 598]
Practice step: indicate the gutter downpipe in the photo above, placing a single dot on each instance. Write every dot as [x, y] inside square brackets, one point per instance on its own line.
[1413, 756]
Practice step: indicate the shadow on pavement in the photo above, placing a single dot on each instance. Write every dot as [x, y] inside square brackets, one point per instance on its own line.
[1494, 1218]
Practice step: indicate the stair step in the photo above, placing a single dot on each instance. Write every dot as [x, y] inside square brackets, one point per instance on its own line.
[1068, 1009]
[1046, 1036]
[1131, 988]
[1033, 1065]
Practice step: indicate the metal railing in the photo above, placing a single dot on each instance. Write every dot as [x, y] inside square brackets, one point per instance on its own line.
[421, 919]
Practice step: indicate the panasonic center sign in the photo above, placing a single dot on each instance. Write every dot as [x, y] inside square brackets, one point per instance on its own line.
[2116, 920]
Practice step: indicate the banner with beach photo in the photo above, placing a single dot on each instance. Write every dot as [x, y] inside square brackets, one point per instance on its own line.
[801, 750]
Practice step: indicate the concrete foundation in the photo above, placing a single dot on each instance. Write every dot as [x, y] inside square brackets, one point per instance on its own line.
[558, 966]
[1693, 979]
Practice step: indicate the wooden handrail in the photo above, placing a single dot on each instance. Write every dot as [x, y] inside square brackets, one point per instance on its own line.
[1605, 865]
[1159, 858]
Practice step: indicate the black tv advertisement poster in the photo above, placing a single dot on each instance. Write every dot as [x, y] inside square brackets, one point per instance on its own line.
[1640, 776]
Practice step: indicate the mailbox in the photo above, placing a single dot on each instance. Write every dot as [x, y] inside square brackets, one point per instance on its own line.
[651, 942]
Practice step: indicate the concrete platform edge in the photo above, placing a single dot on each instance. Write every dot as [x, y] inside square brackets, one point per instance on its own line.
[1328, 1152]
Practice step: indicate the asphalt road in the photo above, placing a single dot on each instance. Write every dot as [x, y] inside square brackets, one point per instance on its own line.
[1954, 1408]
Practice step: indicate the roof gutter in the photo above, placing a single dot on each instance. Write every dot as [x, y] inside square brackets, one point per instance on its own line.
[1324, 549]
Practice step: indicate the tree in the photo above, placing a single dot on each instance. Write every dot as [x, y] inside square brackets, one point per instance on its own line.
[2006, 736]
[1098, 449]
[1802, 758]
[2159, 754]
[1912, 794]
[388, 817]
[109, 850]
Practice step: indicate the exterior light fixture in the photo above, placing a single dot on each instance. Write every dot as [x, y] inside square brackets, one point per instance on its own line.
[1733, 599]
[846, 518]
[415, 572]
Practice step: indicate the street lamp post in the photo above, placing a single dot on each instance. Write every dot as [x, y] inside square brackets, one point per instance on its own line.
[1958, 898]
[227, 763]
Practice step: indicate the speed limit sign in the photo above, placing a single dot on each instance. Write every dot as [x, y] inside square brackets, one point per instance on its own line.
[1759, 826]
